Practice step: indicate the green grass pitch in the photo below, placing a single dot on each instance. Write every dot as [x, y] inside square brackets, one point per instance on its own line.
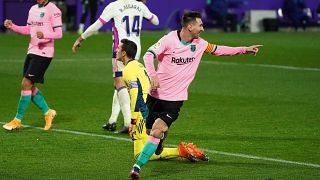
[242, 110]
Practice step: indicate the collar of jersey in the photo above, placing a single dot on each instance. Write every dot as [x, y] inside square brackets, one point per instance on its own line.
[130, 61]
[182, 42]
[41, 6]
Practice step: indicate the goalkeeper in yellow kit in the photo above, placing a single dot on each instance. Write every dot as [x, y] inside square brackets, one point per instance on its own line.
[138, 83]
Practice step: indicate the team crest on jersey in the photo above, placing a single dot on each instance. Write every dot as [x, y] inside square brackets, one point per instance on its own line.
[42, 14]
[193, 48]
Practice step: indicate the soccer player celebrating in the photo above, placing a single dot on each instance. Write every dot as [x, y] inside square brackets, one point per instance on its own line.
[179, 54]
[44, 24]
[126, 18]
[137, 81]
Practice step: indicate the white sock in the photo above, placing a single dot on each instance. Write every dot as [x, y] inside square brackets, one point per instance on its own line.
[81, 28]
[124, 100]
[115, 108]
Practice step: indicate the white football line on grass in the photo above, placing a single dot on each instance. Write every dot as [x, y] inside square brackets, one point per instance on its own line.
[261, 158]
[205, 62]
[171, 145]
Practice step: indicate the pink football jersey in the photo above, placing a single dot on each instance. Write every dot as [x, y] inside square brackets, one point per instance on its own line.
[178, 63]
[44, 19]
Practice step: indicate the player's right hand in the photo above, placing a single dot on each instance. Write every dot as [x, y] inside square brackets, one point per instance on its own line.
[155, 84]
[76, 45]
[8, 23]
[130, 131]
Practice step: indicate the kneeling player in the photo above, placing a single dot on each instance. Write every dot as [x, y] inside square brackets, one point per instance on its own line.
[138, 84]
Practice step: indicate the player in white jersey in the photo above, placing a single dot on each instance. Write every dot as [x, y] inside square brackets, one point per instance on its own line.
[126, 17]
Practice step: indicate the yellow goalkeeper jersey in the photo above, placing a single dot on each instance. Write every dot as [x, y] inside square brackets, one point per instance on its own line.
[138, 83]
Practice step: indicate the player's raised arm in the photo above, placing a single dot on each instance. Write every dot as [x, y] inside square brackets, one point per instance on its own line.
[219, 50]
[24, 30]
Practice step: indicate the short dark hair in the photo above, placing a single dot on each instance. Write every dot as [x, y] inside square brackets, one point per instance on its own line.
[129, 47]
[190, 16]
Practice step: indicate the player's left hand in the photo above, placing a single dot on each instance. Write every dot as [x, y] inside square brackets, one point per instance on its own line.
[253, 49]
[39, 35]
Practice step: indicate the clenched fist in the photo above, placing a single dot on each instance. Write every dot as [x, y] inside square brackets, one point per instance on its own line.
[8, 23]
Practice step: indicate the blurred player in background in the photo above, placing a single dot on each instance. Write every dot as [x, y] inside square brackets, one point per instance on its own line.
[295, 11]
[138, 84]
[88, 6]
[44, 24]
[126, 17]
[178, 54]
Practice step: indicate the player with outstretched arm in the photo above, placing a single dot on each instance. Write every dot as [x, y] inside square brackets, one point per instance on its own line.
[178, 54]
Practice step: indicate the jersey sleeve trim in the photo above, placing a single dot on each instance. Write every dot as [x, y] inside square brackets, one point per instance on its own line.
[103, 21]
[151, 51]
[150, 19]
[56, 26]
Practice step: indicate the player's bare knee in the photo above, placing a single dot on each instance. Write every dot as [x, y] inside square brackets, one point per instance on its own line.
[157, 133]
[26, 84]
